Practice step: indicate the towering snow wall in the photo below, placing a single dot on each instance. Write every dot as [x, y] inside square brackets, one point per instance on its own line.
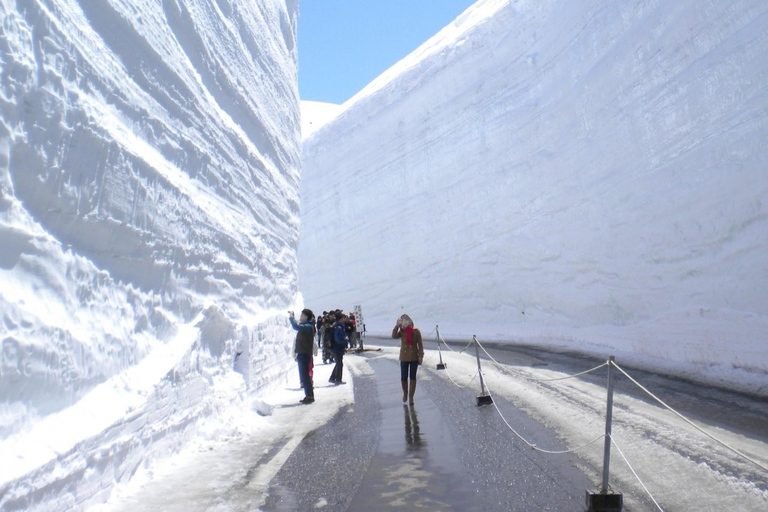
[149, 170]
[575, 173]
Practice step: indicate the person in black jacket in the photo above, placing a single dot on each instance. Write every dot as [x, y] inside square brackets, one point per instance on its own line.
[319, 324]
[303, 348]
[339, 347]
[328, 339]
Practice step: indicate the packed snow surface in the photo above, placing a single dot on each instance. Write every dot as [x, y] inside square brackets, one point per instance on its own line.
[149, 174]
[578, 174]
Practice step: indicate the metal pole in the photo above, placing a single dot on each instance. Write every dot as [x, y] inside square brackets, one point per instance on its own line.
[479, 370]
[608, 420]
[440, 352]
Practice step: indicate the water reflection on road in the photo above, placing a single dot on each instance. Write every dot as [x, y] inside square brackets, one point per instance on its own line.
[416, 464]
[412, 431]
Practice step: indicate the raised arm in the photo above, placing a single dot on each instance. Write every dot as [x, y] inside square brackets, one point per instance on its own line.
[303, 327]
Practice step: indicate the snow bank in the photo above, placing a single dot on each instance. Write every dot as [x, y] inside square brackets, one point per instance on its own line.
[149, 170]
[579, 175]
[315, 115]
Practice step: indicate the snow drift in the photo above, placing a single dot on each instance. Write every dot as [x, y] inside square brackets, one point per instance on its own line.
[579, 174]
[149, 166]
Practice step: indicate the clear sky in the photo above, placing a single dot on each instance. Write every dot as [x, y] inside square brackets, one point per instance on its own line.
[344, 44]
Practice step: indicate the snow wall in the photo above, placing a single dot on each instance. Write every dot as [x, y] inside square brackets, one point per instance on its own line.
[575, 174]
[149, 183]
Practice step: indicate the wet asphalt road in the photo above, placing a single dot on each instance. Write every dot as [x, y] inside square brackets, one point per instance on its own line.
[444, 453]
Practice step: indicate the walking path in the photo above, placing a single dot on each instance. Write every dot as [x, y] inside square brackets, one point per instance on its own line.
[444, 453]
[358, 448]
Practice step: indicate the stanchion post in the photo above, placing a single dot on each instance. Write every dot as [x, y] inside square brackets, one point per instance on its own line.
[606, 501]
[608, 424]
[441, 365]
[484, 398]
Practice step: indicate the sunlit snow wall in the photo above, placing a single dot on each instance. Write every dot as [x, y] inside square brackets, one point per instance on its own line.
[578, 174]
[149, 170]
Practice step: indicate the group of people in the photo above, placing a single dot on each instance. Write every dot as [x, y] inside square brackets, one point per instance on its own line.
[336, 332]
[326, 333]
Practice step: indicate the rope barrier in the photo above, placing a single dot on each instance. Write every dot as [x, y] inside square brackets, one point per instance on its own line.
[536, 379]
[533, 446]
[613, 441]
[473, 379]
[723, 443]
[440, 339]
[456, 383]
[465, 348]
[428, 359]
[574, 375]
[553, 452]
[431, 355]
[449, 348]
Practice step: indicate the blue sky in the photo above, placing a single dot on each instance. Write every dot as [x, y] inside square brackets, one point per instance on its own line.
[344, 44]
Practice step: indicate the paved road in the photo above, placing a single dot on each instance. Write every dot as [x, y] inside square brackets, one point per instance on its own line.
[444, 453]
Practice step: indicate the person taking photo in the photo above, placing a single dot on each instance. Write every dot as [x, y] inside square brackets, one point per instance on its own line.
[303, 349]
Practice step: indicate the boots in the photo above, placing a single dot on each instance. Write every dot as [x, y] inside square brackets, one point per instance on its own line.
[411, 391]
[405, 389]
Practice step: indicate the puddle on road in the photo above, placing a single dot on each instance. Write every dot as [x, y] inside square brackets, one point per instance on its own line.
[417, 465]
[396, 483]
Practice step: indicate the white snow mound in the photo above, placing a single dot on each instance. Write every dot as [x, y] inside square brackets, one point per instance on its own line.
[149, 170]
[315, 115]
[583, 175]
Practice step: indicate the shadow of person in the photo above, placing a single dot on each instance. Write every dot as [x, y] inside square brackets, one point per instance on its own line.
[413, 439]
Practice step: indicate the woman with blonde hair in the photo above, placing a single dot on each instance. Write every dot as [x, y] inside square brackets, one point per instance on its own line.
[411, 354]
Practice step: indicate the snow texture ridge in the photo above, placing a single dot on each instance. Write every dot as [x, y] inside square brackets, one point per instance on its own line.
[149, 174]
[584, 175]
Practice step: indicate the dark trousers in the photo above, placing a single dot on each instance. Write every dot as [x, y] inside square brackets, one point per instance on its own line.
[339, 368]
[304, 361]
[408, 369]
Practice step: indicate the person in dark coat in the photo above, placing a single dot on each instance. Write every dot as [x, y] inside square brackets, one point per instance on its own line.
[339, 347]
[303, 348]
[319, 325]
[328, 339]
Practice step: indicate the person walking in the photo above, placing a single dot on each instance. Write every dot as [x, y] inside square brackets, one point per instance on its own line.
[340, 340]
[411, 354]
[303, 348]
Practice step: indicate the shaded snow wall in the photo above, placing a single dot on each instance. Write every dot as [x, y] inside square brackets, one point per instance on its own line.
[149, 169]
[582, 174]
